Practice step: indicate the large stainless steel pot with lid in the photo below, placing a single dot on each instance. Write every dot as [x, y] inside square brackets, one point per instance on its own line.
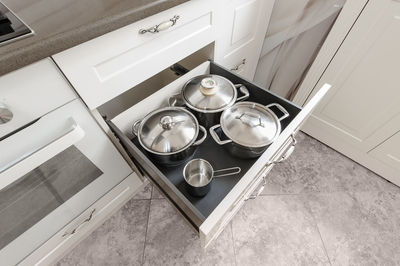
[250, 128]
[207, 96]
[169, 135]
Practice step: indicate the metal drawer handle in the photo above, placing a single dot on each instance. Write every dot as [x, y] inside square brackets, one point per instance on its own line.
[80, 225]
[253, 196]
[287, 154]
[239, 66]
[162, 26]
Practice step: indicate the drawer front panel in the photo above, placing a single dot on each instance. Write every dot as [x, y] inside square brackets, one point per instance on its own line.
[249, 192]
[83, 225]
[105, 67]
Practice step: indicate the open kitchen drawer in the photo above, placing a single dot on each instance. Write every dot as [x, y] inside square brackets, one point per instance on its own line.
[211, 213]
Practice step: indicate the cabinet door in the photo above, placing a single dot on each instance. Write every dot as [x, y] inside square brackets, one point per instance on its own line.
[388, 153]
[362, 107]
[241, 30]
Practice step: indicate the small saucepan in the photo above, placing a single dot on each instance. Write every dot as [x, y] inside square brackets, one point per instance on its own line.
[199, 174]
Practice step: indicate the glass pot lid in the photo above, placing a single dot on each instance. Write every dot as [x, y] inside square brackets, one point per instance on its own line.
[168, 130]
[250, 124]
[209, 93]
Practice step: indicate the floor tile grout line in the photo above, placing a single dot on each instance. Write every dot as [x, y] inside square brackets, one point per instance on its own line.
[145, 235]
[319, 232]
[233, 244]
[279, 194]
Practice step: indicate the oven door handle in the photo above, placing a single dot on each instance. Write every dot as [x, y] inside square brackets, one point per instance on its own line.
[29, 160]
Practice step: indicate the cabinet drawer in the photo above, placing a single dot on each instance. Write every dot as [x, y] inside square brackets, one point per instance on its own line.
[105, 67]
[211, 213]
[83, 225]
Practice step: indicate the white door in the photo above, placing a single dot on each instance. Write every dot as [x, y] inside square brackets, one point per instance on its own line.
[362, 108]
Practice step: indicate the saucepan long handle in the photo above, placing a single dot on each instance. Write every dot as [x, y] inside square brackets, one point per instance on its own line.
[227, 171]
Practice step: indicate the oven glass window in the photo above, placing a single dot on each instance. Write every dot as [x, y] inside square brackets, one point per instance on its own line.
[39, 192]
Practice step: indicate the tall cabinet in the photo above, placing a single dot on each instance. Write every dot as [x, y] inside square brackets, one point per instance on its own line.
[360, 116]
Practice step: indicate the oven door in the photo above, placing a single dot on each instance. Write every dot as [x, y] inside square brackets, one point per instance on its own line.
[50, 172]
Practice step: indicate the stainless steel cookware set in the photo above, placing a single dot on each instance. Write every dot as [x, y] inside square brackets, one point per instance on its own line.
[171, 135]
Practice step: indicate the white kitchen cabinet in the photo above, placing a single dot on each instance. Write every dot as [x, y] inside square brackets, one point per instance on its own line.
[362, 110]
[241, 28]
[117, 67]
[109, 65]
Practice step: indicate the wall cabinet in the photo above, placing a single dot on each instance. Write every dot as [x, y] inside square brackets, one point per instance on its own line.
[362, 110]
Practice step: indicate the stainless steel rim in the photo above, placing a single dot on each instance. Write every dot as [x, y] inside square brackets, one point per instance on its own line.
[160, 110]
[278, 129]
[215, 110]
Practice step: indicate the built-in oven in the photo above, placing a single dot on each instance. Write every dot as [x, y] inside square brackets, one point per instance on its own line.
[55, 163]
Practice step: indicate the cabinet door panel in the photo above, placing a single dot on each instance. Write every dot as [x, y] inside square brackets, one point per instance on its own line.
[388, 153]
[365, 77]
[241, 30]
[243, 27]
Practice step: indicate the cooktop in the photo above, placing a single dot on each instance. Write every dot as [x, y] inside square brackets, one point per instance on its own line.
[11, 27]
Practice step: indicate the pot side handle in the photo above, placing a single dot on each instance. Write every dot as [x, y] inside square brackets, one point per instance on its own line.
[215, 136]
[280, 107]
[135, 127]
[176, 100]
[198, 142]
[244, 91]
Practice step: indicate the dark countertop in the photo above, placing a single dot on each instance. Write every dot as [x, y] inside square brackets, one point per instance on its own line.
[62, 24]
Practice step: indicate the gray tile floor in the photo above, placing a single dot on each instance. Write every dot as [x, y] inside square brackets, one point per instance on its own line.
[319, 208]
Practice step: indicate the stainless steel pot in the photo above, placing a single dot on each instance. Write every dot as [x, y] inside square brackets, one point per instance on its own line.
[169, 135]
[250, 128]
[199, 174]
[207, 96]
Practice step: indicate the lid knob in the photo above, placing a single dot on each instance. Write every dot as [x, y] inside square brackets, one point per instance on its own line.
[208, 86]
[166, 122]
